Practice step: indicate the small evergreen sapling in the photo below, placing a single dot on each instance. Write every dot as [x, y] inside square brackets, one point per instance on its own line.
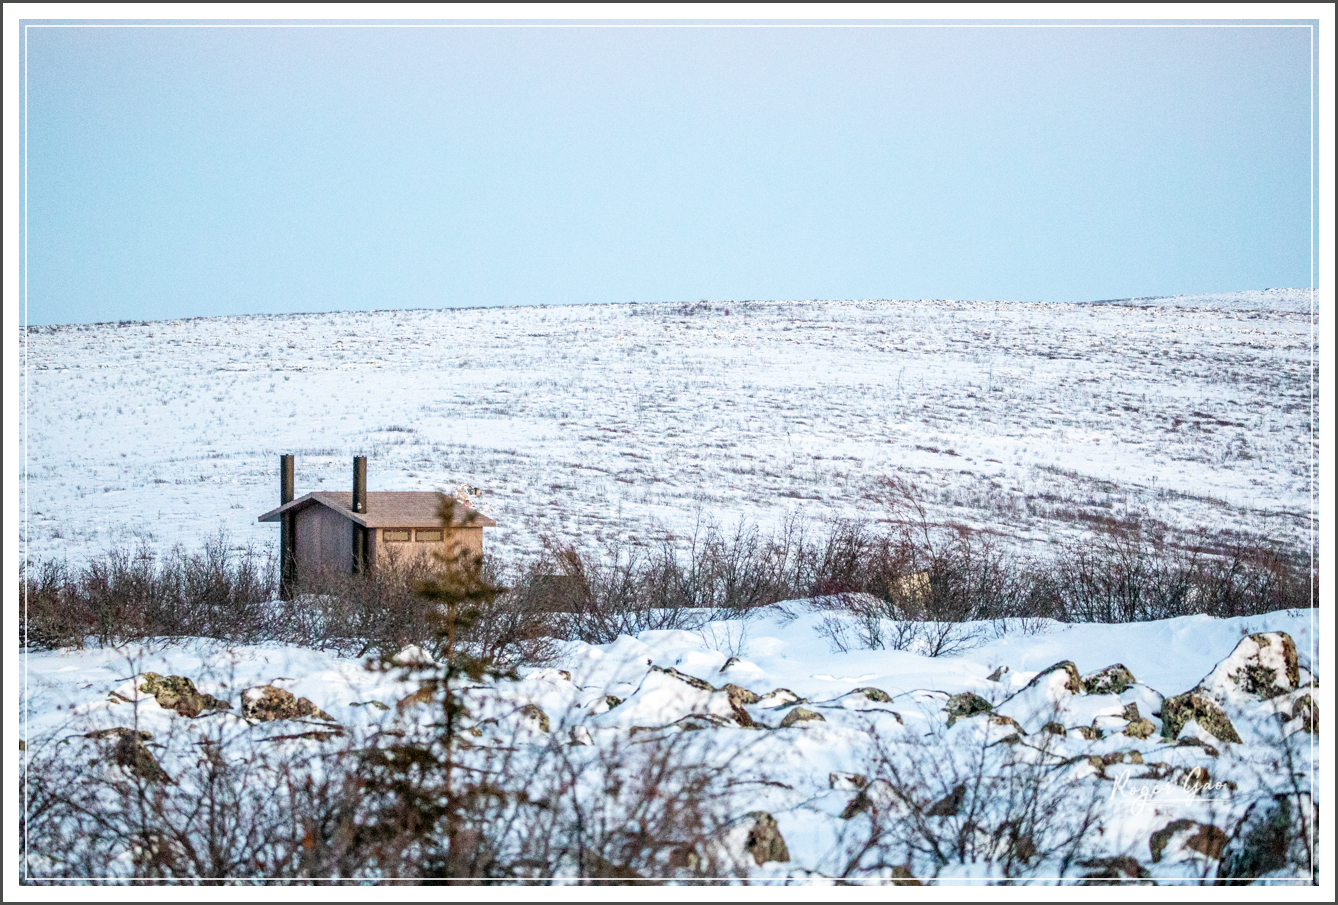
[425, 795]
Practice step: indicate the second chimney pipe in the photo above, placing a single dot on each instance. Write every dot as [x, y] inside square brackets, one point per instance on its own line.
[286, 483]
[287, 530]
[359, 483]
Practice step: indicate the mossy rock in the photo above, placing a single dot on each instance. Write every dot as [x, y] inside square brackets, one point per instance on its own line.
[700, 684]
[1178, 711]
[1205, 839]
[801, 715]
[1263, 665]
[1114, 679]
[739, 694]
[1304, 709]
[738, 697]
[266, 703]
[536, 713]
[130, 752]
[178, 693]
[1072, 681]
[877, 695]
[1140, 729]
[764, 841]
[966, 704]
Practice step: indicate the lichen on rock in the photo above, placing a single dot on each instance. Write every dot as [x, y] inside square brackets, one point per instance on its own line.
[1178, 711]
[178, 693]
[266, 703]
[1114, 679]
[801, 715]
[960, 706]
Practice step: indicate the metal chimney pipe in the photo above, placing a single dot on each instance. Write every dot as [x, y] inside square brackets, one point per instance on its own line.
[360, 533]
[286, 484]
[359, 483]
[287, 530]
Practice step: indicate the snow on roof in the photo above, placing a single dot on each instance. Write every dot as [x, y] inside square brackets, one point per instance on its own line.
[388, 509]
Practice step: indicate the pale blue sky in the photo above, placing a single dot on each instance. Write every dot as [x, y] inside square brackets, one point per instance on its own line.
[192, 171]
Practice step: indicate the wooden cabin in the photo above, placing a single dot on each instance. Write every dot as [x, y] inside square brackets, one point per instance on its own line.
[353, 531]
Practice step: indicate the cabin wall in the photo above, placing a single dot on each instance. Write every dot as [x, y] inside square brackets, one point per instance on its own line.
[324, 541]
[383, 551]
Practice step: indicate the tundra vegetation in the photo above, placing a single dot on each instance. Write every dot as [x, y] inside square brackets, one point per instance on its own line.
[488, 762]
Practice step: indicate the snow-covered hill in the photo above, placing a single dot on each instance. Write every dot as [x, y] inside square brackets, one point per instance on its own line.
[591, 422]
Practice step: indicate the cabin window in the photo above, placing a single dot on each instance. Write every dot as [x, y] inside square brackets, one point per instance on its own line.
[428, 535]
[395, 535]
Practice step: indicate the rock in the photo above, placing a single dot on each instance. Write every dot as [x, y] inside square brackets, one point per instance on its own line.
[1116, 871]
[846, 781]
[1131, 712]
[1140, 729]
[700, 684]
[741, 695]
[878, 796]
[998, 674]
[694, 722]
[964, 705]
[1090, 733]
[1072, 682]
[764, 840]
[536, 713]
[999, 720]
[778, 697]
[1272, 837]
[423, 695]
[413, 655]
[1054, 728]
[377, 704]
[1113, 679]
[950, 804]
[877, 695]
[612, 700]
[800, 715]
[738, 697]
[1196, 742]
[178, 693]
[130, 752]
[1262, 666]
[1192, 705]
[265, 703]
[1304, 709]
[902, 876]
[1203, 838]
[581, 736]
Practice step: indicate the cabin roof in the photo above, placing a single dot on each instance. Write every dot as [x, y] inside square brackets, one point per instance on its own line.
[387, 509]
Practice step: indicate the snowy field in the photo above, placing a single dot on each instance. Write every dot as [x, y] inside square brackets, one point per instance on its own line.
[589, 423]
[819, 740]
[598, 423]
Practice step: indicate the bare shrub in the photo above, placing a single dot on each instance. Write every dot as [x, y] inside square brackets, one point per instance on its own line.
[121, 595]
[933, 802]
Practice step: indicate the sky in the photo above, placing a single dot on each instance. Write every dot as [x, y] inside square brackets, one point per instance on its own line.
[177, 172]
